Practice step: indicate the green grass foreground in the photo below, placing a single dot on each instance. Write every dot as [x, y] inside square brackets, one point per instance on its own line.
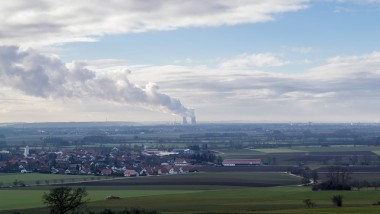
[201, 199]
[244, 200]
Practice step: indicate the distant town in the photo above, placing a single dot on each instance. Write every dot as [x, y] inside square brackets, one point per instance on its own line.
[55, 155]
[106, 161]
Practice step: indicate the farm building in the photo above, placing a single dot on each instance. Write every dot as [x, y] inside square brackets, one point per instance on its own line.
[234, 162]
[130, 173]
[182, 162]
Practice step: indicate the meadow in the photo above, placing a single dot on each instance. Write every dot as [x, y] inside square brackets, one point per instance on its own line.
[31, 179]
[308, 155]
[246, 192]
[210, 199]
[141, 187]
[251, 179]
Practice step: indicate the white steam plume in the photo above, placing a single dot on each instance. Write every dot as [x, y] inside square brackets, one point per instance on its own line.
[38, 75]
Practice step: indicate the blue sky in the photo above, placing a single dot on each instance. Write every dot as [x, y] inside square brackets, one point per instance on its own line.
[329, 29]
[254, 61]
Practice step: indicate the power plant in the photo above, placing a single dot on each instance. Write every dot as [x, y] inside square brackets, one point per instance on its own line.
[184, 120]
[191, 114]
[193, 120]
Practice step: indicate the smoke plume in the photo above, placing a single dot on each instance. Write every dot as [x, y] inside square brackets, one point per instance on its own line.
[47, 76]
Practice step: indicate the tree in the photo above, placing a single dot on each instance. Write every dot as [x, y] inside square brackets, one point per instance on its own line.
[337, 200]
[314, 176]
[338, 178]
[64, 199]
[305, 179]
[339, 175]
[305, 176]
[219, 160]
[309, 203]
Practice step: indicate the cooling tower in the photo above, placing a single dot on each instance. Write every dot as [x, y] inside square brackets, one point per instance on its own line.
[184, 120]
[193, 120]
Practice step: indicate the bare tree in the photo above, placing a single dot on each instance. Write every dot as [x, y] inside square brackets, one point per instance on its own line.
[309, 203]
[337, 200]
[339, 175]
[64, 199]
[314, 176]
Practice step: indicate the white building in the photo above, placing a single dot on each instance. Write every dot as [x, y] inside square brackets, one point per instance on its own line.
[26, 151]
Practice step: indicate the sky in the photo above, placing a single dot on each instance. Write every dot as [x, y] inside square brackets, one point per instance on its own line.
[160, 60]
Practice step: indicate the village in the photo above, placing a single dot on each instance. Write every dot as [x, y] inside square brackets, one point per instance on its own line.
[107, 161]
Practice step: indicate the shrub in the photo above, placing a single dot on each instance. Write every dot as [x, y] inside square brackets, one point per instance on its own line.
[337, 200]
[309, 203]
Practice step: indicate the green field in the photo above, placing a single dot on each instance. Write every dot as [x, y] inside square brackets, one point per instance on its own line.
[249, 179]
[279, 150]
[332, 155]
[340, 148]
[201, 198]
[7, 179]
[30, 197]
[239, 153]
[242, 153]
[286, 199]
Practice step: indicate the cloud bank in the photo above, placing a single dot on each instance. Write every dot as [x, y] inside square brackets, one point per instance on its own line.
[253, 60]
[48, 77]
[45, 22]
[344, 88]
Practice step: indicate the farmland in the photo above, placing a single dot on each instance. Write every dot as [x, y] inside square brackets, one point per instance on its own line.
[30, 197]
[209, 186]
[255, 179]
[30, 179]
[177, 199]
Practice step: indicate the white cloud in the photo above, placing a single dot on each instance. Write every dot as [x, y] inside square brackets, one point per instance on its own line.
[50, 22]
[366, 58]
[344, 88]
[37, 75]
[253, 60]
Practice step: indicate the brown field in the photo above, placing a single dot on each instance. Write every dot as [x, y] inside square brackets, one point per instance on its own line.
[245, 168]
[247, 179]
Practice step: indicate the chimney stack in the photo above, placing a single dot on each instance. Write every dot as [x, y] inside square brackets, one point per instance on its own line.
[193, 120]
[184, 120]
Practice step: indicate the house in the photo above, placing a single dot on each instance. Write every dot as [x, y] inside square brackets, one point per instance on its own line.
[3, 164]
[130, 173]
[182, 162]
[182, 169]
[13, 161]
[106, 172]
[85, 170]
[164, 170]
[140, 171]
[151, 170]
[234, 162]
[183, 151]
